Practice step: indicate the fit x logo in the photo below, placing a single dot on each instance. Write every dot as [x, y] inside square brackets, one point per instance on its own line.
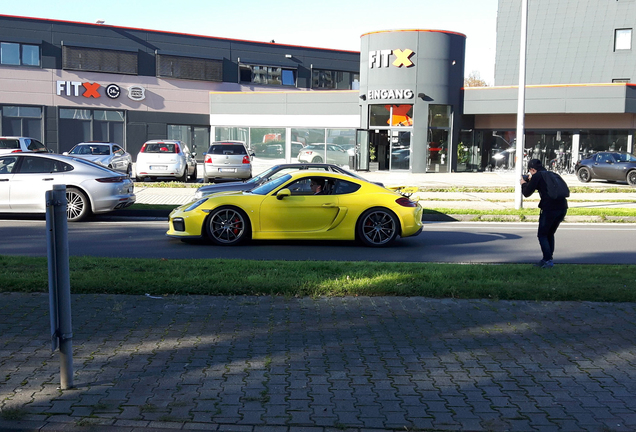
[382, 58]
[73, 88]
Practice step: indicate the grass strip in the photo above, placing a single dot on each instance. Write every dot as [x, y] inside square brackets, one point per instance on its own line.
[599, 283]
[573, 211]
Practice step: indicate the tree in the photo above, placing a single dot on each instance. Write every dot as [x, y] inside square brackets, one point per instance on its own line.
[474, 80]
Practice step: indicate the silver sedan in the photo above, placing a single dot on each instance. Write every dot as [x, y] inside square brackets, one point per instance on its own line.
[107, 154]
[90, 188]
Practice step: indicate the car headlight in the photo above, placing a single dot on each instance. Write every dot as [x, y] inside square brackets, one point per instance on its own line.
[195, 204]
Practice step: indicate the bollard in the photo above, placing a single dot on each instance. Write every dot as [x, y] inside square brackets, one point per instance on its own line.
[59, 282]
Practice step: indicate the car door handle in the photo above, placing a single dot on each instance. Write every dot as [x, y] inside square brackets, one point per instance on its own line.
[4, 179]
[329, 205]
[47, 179]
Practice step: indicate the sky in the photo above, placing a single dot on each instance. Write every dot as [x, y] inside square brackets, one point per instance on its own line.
[336, 24]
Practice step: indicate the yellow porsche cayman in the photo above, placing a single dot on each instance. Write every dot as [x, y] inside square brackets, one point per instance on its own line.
[304, 205]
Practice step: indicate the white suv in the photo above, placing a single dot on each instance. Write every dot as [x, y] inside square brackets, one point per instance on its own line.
[227, 159]
[166, 158]
[21, 144]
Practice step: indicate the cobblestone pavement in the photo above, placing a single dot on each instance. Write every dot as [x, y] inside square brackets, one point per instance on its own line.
[275, 364]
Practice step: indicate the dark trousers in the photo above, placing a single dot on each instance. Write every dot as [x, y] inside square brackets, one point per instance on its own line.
[549, 221]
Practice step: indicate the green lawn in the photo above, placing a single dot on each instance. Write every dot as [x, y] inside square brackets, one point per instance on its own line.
[329, 278]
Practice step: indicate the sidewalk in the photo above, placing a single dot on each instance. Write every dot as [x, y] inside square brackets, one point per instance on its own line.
[274, 364]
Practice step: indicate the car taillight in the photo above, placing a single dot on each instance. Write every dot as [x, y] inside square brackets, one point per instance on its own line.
[143, 148]
[16, 151]
[405, 202]
[208, 159]
[117, 179]
[246, 159]
[176, 148]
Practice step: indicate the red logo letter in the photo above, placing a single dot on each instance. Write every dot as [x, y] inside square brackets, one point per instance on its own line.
[91, 90]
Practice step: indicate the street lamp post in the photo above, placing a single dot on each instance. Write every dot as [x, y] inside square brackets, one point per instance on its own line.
[521, 107]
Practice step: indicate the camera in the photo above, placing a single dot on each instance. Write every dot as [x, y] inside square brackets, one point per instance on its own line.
[525, 177]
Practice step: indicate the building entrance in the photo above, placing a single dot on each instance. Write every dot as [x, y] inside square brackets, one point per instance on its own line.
[379, 150]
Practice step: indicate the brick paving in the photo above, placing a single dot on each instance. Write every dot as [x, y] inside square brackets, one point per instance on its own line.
[275, 364]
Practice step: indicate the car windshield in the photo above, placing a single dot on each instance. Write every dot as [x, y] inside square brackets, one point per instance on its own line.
[94, 149]
[227, 149]
[624, 157]
[264, 174]
[266, 188]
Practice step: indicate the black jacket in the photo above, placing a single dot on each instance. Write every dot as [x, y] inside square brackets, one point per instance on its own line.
[537, 182]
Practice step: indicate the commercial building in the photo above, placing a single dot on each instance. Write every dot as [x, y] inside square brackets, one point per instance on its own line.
[398, 104]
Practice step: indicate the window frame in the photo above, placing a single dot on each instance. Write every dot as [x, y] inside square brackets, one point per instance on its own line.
[620, 40]
[244, 67]
[21, 55]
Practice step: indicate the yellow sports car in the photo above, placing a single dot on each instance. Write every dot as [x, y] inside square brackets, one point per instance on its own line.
[305, 205]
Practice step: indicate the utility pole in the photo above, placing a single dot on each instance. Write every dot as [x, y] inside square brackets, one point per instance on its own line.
[521, 107]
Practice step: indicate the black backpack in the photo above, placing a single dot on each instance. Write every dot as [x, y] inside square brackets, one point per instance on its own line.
[557, 188]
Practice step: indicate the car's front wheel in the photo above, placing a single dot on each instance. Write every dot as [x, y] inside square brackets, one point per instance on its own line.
[377, 227]
[228, 226]
[631, 178]
[193, 177]
[584, 174]
[78, 206]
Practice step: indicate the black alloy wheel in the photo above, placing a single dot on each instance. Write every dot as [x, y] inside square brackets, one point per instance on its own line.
[584, 174]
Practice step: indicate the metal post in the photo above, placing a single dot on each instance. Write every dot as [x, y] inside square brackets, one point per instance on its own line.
[521, 107]
[59, 282]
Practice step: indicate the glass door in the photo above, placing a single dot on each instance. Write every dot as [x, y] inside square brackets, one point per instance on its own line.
[400, 149]
[362, 150]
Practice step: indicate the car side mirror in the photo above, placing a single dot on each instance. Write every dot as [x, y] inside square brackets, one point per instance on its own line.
[194, 154]
[65, 153]
[283, 193]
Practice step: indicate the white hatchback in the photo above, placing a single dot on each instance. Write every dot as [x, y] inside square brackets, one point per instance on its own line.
[166, 158]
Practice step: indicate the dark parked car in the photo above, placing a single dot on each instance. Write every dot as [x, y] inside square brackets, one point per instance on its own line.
[270, 174]
[610, 166]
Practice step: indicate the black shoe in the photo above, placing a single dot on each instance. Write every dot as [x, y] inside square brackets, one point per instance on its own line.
[545, 264]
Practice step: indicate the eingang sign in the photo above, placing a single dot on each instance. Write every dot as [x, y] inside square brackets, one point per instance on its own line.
[390, 94]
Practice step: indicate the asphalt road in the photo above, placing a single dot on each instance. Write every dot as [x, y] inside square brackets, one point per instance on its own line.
[458, 242]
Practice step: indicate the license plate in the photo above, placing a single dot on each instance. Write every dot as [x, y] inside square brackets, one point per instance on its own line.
[227, 169]
[159, 167]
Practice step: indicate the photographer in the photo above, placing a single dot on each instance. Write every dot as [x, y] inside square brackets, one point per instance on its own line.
[553, 211]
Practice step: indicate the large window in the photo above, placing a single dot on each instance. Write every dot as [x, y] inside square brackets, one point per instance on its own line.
[267, 75]
[80, 125]
[390, 115]
[330, 79]
[197, 138]
[17, 54]
[189, 68]
[99, 60]
[21, 121]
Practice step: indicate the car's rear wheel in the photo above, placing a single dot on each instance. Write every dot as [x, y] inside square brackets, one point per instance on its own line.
[584, 174]
[78, 206]
[228, 226]
[377, 227]
[317, 159]
[184, 177]
[631, 178]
